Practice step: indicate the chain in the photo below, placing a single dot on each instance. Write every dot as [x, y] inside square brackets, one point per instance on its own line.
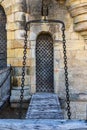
[66, 74]
[23, 74]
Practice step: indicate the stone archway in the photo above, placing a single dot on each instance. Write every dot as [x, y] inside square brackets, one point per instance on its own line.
[44, 63]
[3, 39]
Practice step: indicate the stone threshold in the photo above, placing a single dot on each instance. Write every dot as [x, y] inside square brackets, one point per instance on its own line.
[42, 124]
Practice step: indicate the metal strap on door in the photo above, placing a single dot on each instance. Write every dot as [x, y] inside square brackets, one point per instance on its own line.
[65, 63]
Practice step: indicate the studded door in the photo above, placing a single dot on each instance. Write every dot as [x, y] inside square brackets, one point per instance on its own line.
[44, 63]
[3, 39]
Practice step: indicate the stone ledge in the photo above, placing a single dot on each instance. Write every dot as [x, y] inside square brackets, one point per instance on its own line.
[42, 124]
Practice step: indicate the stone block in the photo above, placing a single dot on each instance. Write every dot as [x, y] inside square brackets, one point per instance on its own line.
[85, 1]
[17, 80]
[78, 109]
[17, 1]
[10, 61]
[32, 70]
[19, 53]
[80, 18]
[81, 55]
[15, 97]
[19, 34]
[10, 53]
[33, 88]
[10, 44]
[8, 10]
[33, 62]
[15, 26]
[15, 44]
[16, 91]
[77, 80]
[18, 62]
[32, 36]
[18, 7]
[74, 36]
[7, 3]
[79, 27]
[75, 44]
[72, 3]
[18, 44]
[17, 71]
[33, 53]
[10, 18]
[33, 79]
[10, 35]
[20, 16]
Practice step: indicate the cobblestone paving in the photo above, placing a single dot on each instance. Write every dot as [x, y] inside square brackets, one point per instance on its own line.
[44, 106]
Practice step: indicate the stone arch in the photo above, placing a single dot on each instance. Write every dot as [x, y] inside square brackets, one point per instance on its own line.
[3, 38]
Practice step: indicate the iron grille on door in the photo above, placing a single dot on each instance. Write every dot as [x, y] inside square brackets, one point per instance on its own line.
[44, 63]
[3, 39]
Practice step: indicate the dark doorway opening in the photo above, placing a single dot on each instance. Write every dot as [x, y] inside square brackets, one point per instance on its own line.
[3, 39]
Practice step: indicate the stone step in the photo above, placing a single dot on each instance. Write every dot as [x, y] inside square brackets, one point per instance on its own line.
[15, 97]
[44, 106]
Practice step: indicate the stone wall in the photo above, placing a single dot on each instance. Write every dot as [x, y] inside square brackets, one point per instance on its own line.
[19, 11]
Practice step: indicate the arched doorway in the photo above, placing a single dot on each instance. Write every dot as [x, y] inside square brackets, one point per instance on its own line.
[3, 39]
[44, 63]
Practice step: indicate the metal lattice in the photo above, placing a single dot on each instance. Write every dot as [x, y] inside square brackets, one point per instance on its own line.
[44, 63]
[3, 39]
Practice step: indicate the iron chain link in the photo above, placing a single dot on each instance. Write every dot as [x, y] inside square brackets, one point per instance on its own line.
[66, 74]
[23, 74]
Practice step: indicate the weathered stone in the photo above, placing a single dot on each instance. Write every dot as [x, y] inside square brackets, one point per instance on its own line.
[80, 18]
[10, 53]
[19, 16]
[15, 26]
[15, 97]
[10, 18]
[78, 10]
[10, 35]
[42, 124]
[19, 53]
[19, 62]
[18, 70]
[44, 106]
[18, 7]
[15, 44]
[8, 10]
[19, 34]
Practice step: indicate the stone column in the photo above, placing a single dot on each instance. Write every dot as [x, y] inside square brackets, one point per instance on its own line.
[78, 11]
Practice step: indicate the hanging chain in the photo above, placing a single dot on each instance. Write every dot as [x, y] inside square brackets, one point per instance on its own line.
[23, 74]
[66, 74]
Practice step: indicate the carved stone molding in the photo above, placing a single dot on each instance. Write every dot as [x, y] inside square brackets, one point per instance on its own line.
[78, 11]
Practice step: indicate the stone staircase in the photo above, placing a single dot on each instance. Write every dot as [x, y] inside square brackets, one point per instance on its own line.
[44, 106]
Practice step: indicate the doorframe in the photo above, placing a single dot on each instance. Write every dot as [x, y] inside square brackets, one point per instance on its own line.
[33, 45]
[33, 63]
